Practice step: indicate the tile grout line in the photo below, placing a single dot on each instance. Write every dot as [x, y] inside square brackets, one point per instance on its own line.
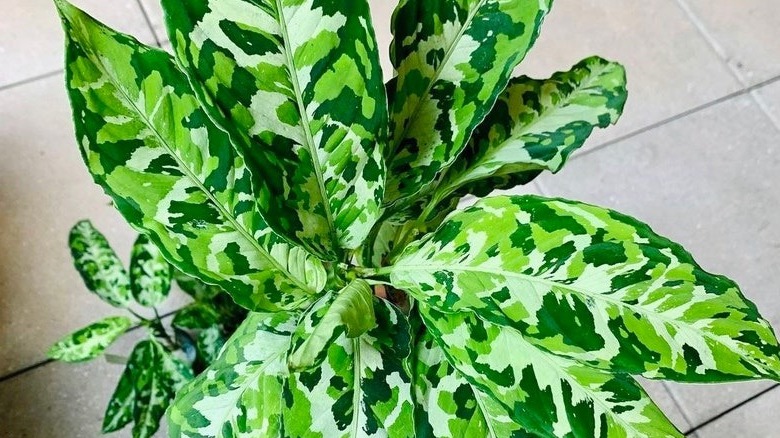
[43, 363]
[723, 55]
[678, 116]
[31, 79]
[148, 21]
[677, 404]
[731, 409]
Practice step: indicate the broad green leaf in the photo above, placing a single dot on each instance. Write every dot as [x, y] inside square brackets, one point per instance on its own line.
[593, 285]
[172, 173]
[362, 389]
[453, 59]
[119, 412]
[447, 404]
[198, 290]
[349, 312]
[156, 375]
[99, 265]
[150, 274]
[549, 396]
[535, 126]
[302, 83]
[196, 316]
[91, 341]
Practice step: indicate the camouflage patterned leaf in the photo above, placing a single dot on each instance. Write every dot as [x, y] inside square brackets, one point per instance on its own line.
[90, 341]
[447, 404]
[549, 396]
[302, 83]
[349, 312]
[156, 377]
[150, 274]
[453, 60]
[172, 173]
[198, 290]
[98, 264]
[119, 412]
[590, 284]
[535, 126]
[238, 395]
[196, 316]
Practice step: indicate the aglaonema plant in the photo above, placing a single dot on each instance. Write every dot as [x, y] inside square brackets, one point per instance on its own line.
[267, 157]
[169, 356]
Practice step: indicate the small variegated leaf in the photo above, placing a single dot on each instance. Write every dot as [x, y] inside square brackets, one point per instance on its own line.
[447, 404]
[590, 284]
[172, 173]
[99, 265]
[301, 82]
[198, 290]
[119, 411]
[453, 59]
[150, 274]
[547, 395]
[90, 341]
[209, 343]
[156, 375]
[535, 126]
[349, 312]
[196, 316]
[362, 389]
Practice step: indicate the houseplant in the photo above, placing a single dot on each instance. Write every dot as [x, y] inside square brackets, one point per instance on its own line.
[268, 158]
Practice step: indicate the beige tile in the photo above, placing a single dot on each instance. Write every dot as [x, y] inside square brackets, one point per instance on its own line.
[44, 189]
[31, 39]
[756, 419]
[64, 400]
[744, 33]
[670, 66]
[710, 182]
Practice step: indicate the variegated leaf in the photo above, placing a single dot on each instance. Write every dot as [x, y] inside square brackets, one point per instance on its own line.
[209, 343]
[535, 126]
[362, 389]
[590, 284]
[447, 404]
[453, 59]
[349, 312]
[549, 396]
[156, 375]
[198, 290]
[119, 412]
[98, 264]
[172, 173]
[90, 341]
[301, 81]
[150, 274]
[196, 316]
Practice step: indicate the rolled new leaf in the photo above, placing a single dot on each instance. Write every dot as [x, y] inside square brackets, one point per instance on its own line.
[90, 341]
[349, 312]
[544, 394]
[98, 264]
[453, 59]
[150, 274]
[535, 126]
[593, 285]
[302, 83]
[362, 389]
[172, 173]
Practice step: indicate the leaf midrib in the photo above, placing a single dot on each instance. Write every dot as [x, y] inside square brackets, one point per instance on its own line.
[229, 218]
[602, 297]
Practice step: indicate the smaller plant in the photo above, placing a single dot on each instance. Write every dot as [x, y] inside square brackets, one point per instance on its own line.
[169, 356]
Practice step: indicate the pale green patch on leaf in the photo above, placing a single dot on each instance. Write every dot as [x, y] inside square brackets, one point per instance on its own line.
[150, 274]
[209, 343]
[593, 285]
[549, 396]
[453, 59]
[98, 264]
[535, 126]
[172, 173]
[349, 312]
[90, 341]
[301, 83]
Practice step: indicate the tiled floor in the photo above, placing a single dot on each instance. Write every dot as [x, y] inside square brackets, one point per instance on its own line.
[697, 155]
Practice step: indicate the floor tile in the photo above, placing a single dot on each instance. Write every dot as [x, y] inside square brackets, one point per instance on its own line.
[769, 95]
[31, 40]
[663, 398]
[710, 182]
[153, 10]
[756, 419]
[670, 66]
[44, 190]
[744, 32]
[64, 400]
